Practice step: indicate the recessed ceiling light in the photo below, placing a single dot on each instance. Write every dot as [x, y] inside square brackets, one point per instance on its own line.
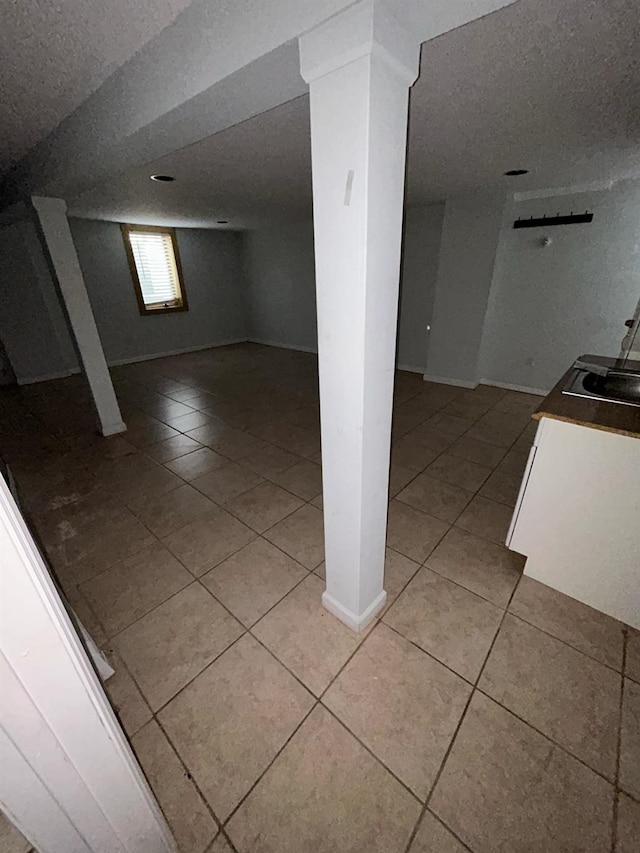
[164, 178]
[513, 172]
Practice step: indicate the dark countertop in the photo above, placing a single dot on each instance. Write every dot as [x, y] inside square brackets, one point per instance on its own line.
[597, 414]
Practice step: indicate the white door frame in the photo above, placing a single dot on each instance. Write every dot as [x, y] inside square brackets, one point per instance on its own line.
[69, 780]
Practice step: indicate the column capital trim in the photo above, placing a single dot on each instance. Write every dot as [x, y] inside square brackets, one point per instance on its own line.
[366, 29]
[49, 204]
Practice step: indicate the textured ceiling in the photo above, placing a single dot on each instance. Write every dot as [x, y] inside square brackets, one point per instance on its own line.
[552, 87]
[55, 53]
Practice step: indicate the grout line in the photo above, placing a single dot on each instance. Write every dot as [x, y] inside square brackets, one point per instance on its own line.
[616, 792]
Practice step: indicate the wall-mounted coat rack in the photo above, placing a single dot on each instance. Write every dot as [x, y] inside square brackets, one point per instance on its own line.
[571, 219]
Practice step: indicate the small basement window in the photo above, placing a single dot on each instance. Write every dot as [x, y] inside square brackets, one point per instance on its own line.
[155, 268]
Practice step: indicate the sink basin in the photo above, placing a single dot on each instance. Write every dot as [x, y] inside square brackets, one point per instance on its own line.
[617, 387]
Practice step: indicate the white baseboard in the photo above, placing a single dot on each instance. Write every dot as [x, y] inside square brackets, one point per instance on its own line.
[356, 623]
[410, 368]
[280, 345]
[509, 387]
[151, 356]
[444, 380]
[47, 376]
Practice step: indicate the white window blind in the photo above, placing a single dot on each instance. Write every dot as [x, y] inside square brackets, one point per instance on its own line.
[156, 268]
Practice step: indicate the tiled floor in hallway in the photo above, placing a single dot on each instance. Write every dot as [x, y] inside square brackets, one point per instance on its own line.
[482, 711]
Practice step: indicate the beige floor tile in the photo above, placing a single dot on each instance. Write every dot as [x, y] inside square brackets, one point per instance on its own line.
[458, 472]
[125, 697]
[433, 837]
[232, 443]
[164, 514]
[301, 535]
[477, 451]
[11, 840]
[263, 506]
[452, 624]
[185, 811]
[134, 586]
[230, 722]
[295, 439]
[485, 568]
[86, 537]
[169, 646]
[506, 787]
[325, 792]
[412, 532]
[226, 482]
[570, 698]
[496, 434]
[411, 454]
[502, 487]
[402, 704]
[430, 436]
[440, 499]
[582, 627]
[220, 845]
[632, 667]
[304, 479]
[308, 640]
[628, 825]
[196, 464]
[270, 460]
[399, 477]
[398, 571]
[449, 425]
[208, 541]
[84, 614]
[254, 579]
[486, 518]
[318, 502]
[514, 463]
[142, 437]
[132, 478]
[172, 448]
[184, 423]
[630, 739]
[466, 407]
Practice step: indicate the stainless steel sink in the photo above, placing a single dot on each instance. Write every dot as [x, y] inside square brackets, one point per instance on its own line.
[616, 386]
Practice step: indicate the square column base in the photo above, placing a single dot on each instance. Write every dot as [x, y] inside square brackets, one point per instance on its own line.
[351, 620]
[113, 429]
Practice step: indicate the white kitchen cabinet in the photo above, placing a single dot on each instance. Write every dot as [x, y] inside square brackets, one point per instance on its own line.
[577, 519]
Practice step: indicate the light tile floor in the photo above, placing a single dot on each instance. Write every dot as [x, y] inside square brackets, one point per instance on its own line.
[483, 711]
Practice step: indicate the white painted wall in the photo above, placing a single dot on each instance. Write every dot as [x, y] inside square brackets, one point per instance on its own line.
[550, 305]
[280, 270]
[33, 326]
[213, 277]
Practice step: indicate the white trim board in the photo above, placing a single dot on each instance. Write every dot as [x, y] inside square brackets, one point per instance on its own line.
[509, 387]
[410, 368]
[151, 356]
[62, 374]
[75, 783]
[281, 346]
[445, 380]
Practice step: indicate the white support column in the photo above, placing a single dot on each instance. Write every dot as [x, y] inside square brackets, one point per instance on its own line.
[58, 242]
[360, 65]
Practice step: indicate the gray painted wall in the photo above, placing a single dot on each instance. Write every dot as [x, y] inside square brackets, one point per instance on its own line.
[280, 272]
[470, 235]
[281, 290]
[420, 251]
[550, 305]
[213, 276]
[33, 327]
